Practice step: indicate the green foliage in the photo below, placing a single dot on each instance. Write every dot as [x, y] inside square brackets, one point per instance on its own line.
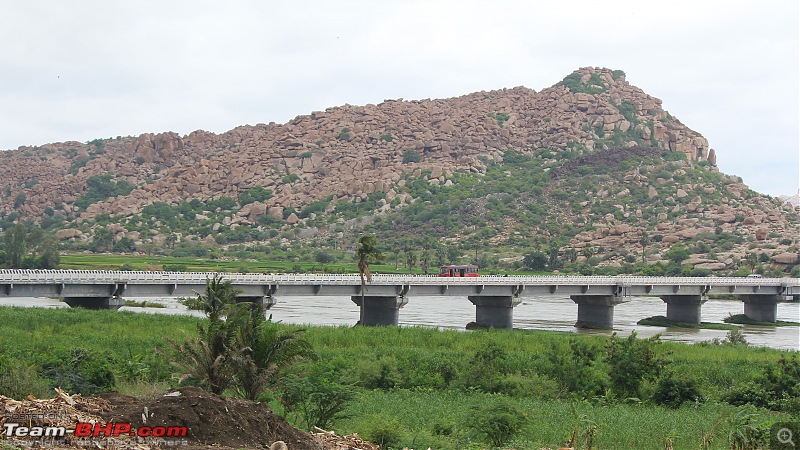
[316, 399]
[410, 156]
[289, 179]
[261, 350]
[256, 194]
[18, 380]
[673, 391]
[501, 118]
[628, 111]
[387, 137]
[344, 135]
[81, 372]
[776, 387]
[486, 369]
[576, 367]
[385, 431]
[677, 254]
[617, 74]
[498, 422]
[633, 361]
[19, 200]
[28, 247]
[101, 187]
[323, 257]
[535, 261]
[594, 86]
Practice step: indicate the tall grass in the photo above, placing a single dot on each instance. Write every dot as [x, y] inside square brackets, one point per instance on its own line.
[418, 385]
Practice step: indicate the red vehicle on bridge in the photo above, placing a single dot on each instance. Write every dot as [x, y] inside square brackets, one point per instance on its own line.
[458, 271]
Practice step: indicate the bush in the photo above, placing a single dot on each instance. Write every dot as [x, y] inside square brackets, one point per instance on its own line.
[633, 361]
[323, 257]
[316, 399]
[673, 391]
[256, 194]
[498, 422]
[82, 373]
[384, 431]
[410, 156]
[18, 381]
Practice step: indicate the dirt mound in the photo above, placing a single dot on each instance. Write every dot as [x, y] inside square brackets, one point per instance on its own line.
[210, 419]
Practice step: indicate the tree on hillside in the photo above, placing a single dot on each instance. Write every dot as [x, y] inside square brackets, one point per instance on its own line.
[16, 240]
[644, 241]
[27, 247]
[535, 261]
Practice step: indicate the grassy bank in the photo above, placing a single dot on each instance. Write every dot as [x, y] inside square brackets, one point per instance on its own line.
[420, 387]
[662, 321]
[741, 319]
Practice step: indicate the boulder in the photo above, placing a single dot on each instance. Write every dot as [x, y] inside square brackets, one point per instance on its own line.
[69, 233]
[711, 266]
[762, 233]
[785, 258]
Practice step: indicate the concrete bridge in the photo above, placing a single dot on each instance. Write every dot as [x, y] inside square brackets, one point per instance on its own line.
[494, 297]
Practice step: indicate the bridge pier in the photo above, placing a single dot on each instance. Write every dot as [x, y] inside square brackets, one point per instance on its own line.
[494, 311]
[378, 309]
[684, 308]
[112, 302]
[595, 311]
[761, 308]
[264, 301]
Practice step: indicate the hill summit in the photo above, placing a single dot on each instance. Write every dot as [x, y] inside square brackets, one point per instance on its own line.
[349, 166]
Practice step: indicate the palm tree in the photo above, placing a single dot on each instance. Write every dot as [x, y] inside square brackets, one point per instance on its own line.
[262, 349]
[207, 356]
[217, 298]
[366, 249]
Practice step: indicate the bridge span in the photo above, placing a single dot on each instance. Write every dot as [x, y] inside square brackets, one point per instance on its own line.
[494, 297]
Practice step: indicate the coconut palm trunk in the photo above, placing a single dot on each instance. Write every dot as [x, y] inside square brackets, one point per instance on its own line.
[366, 249]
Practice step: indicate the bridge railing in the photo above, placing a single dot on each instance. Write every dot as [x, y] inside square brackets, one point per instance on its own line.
[102, 276]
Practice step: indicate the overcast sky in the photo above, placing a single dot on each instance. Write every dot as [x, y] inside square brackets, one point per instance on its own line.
[80, 70]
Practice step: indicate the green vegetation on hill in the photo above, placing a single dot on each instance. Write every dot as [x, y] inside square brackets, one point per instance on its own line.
[524, 212]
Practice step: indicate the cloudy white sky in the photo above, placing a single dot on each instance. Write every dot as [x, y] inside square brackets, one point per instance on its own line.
[82, 69]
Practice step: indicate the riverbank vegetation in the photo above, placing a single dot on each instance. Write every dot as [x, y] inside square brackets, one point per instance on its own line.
[421, 387]
[662, 321]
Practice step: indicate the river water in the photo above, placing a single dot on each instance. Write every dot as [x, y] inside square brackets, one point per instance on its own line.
[539, 313]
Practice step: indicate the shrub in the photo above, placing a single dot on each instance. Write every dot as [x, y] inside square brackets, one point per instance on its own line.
[19, 200]
[18, 381]
[673, 391]
[410, 156]
[633, 361]
[498, 422]
[256, 194]
[384, 431]
[316, 399]
[81, 372]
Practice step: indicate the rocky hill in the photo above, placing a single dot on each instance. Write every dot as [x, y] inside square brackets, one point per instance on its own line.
[325, 172]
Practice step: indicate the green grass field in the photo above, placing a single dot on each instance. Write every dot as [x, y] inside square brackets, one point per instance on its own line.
[140, 262]
[400, 377]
